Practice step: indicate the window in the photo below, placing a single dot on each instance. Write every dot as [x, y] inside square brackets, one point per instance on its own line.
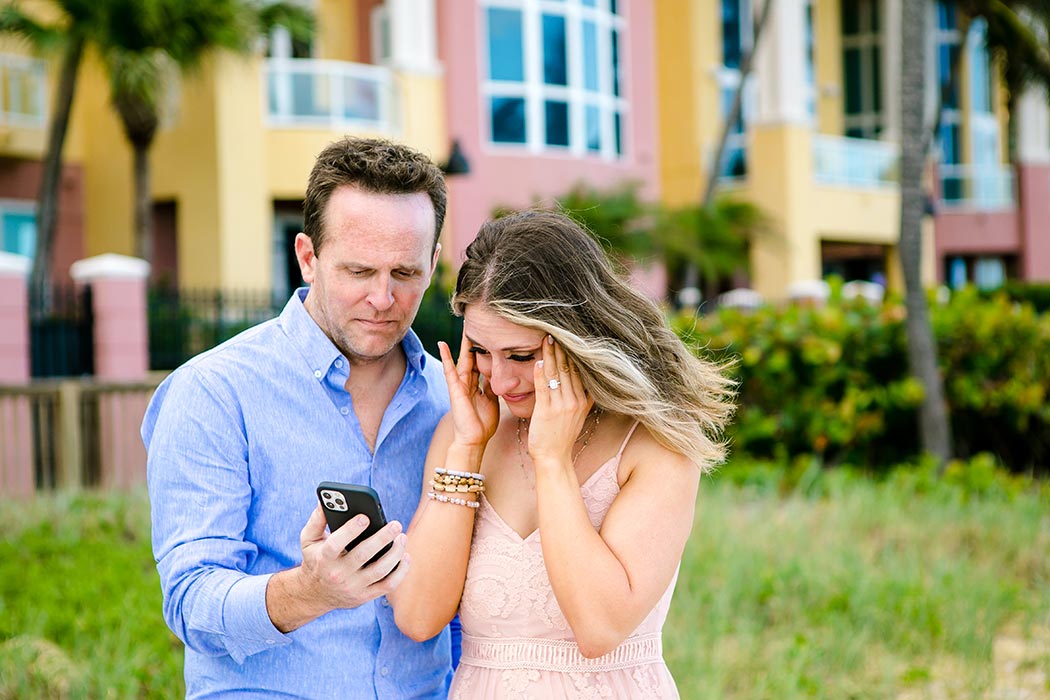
[971, 169]
[18, 228]
[737, 33]
[552, 80]
[862, 68]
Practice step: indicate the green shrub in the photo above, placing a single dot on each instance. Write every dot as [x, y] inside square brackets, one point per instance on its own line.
[1038, 295]
[833, 381]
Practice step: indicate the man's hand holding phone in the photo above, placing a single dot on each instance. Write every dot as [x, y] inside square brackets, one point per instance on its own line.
[332, 577]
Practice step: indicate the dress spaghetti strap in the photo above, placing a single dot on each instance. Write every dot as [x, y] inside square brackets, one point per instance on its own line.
[623, 445]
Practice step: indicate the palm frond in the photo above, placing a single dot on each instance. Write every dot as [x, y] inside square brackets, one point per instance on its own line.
[41, 37]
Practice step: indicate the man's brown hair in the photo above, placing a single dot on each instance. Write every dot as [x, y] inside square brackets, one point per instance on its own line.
[374, 165]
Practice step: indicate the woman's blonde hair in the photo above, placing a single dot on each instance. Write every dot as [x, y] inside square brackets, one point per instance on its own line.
[541, 270]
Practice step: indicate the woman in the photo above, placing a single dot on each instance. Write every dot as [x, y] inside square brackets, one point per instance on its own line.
[565, 475]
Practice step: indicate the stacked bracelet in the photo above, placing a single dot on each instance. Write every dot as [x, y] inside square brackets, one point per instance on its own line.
[461, 482]
[448, 499]
[450, 481]
[476, 476]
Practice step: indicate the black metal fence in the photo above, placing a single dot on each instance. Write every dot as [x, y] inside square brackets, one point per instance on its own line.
[61, 332]
[183, 323]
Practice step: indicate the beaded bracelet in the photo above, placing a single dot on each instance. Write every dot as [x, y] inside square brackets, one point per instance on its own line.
[457, 488]
[456, 501]
[478, 476]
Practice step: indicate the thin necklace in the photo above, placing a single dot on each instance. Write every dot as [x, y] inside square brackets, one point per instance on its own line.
[584, 437]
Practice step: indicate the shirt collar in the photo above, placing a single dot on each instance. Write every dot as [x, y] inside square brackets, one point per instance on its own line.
[318, 349]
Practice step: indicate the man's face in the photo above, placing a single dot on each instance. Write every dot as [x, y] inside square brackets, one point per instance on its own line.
[374, 265]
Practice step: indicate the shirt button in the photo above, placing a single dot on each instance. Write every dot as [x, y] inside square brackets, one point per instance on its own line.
[338, 363]
[317, 373]
[385, 671]
[344, 410]
[386, 603]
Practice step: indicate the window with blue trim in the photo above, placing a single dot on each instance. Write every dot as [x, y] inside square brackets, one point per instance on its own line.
[18, 227]
[552, 75]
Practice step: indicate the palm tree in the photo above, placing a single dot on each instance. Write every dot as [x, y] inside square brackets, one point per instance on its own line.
[78, 23]
[150, 42]
[712, 240]
[934, 426]
[1024, 59]
[142, 43]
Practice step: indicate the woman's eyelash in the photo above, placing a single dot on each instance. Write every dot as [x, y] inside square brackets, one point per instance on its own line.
[513, 358]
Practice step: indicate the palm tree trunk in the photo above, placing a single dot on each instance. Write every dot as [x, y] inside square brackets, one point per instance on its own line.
[934, 426]
[143, 203]
[47, 197]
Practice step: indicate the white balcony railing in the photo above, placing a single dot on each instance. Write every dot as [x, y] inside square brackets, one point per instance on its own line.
[23, 91]
[982, 187]
[333, 94]
[853, 162]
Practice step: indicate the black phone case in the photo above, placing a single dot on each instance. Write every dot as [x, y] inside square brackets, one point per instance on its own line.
[356, 499]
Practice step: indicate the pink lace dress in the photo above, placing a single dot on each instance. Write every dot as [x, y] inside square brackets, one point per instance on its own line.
[516, 641]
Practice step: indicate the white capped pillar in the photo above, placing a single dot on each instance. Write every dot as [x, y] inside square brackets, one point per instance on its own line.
[1033, 126]
[780, 64]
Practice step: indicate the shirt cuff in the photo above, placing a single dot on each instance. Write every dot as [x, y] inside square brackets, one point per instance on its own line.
[248, 627]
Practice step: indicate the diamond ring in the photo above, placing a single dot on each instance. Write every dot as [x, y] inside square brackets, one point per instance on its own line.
[553, 384]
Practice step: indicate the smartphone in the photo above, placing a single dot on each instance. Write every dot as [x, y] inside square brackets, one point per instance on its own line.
[342, 502]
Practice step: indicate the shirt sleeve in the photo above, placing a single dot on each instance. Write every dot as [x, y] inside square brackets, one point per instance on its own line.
[197, 473]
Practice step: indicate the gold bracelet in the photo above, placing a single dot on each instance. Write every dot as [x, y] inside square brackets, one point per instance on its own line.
[457, 488]
[455, 501]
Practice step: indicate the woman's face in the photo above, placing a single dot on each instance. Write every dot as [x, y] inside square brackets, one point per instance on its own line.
[505, 354]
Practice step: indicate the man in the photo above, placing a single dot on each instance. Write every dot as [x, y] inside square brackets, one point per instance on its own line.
[337, 388]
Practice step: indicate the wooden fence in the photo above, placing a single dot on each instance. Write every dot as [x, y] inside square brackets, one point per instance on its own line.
[72, 433]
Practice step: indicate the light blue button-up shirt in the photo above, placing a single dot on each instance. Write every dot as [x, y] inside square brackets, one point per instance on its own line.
[238, 439]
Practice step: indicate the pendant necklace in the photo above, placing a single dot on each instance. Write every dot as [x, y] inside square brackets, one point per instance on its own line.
[584, 438]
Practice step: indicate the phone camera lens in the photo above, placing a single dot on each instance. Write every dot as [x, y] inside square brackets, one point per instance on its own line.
[339, 501]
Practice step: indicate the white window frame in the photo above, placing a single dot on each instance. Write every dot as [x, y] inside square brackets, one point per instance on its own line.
[535, 92]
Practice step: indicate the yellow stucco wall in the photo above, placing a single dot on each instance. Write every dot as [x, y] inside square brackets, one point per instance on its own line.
[827, 55]
[780, 183]
[108, 185]
[245, 212]
[337, 30]
[688, 45]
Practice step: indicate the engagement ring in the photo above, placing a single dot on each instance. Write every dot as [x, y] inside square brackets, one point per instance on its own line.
[553, 384]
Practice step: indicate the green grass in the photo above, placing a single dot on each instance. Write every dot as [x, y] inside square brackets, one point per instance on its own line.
[852, 588]
[796, 584]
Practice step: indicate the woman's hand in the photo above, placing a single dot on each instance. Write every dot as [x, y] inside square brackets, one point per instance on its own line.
[475, 409]
[561, 409]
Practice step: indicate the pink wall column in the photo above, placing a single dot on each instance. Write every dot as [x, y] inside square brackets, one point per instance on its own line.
[118, 301]
[14, 319]
[1033, 189]
[16, 430]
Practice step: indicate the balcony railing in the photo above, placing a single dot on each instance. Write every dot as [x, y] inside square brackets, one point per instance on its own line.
[982, 187]
[303, 92]
[853, 162]
[23, 91]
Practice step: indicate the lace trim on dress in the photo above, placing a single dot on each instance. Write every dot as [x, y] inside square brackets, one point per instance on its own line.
[558, 654]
